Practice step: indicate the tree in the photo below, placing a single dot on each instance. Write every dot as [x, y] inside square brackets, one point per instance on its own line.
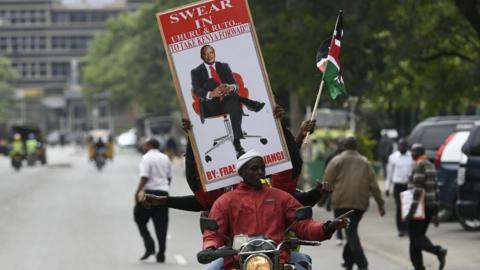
[128, 62]
[7, 76]
[417, 56]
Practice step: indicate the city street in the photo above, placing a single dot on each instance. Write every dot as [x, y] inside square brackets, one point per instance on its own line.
[68, 215]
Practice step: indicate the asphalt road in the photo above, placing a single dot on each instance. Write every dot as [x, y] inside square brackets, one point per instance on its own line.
[67, 215]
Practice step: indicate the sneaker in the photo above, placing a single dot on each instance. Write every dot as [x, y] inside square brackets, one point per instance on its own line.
[160, 258]
[339, 242]
[401, 234]
[147, 254]
[344, 265]
[442, 256]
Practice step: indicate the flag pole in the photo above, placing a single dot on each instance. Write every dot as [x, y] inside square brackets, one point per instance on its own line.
[312, 114]
[317, 101]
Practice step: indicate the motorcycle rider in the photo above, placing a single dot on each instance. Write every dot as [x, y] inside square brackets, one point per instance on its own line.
[31, 145]
[16, 147]
[99, 147]
[253, 208]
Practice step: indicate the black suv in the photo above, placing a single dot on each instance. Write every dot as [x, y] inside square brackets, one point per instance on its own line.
[468, 182]
[433, 131]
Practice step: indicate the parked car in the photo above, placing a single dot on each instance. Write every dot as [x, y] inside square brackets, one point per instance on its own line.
[433, 131]
[468, 182]
[446, 162]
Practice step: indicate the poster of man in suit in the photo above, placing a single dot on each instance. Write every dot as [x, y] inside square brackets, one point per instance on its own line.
[222, 84]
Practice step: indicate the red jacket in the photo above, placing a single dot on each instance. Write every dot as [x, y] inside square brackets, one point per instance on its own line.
[281, 180]
[266, 211]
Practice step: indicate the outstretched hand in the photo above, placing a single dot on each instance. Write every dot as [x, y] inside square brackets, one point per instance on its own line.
[324, 187]
[150, 200]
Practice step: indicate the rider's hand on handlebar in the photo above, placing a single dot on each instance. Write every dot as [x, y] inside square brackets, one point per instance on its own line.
[341, 223]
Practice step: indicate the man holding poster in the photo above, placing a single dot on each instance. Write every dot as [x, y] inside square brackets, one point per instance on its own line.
[214, 84]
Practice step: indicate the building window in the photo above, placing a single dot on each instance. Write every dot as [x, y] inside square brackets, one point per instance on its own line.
[60, 17]
[60, 69]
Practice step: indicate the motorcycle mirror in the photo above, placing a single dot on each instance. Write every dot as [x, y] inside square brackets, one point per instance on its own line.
[208, 224]
[303, 213]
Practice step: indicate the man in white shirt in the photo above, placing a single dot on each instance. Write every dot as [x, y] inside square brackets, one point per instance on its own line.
[155, 178]
[398, 170]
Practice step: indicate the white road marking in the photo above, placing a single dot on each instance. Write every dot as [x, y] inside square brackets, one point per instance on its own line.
[180, 259]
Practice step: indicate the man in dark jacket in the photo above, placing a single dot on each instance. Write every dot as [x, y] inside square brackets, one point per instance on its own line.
[353, 182]
[423, 180]
[213, 83]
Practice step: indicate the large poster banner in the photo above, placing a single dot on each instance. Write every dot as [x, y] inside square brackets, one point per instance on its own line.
[223, 88]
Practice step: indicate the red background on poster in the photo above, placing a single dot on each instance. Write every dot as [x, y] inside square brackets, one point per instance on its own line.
[174, 22]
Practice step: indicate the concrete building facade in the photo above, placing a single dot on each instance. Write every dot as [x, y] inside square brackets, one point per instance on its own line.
[46, 41]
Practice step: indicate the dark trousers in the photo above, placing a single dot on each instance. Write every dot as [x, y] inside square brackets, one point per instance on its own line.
[397, 188]
[417, 230]
[159, 215]
[230, 105]
[353, 251]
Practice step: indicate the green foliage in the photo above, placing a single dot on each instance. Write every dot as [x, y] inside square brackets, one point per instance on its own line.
[422, 55]
[129, 63]
[7, 76]
[431, 59]
[366, 146]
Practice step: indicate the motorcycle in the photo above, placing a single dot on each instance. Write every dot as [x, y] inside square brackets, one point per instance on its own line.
[256, 251]
[40, 153]
[100, 158]
[31, 159]
[17, 161]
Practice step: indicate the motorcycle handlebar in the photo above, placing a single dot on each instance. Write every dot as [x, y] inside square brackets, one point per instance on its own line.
[308, 243]
[298, 242]
[209, 255]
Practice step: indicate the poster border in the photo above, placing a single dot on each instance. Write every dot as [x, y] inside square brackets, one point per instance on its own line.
[178, 89]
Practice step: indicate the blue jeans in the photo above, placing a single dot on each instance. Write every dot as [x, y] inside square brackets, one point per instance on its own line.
[300, 260]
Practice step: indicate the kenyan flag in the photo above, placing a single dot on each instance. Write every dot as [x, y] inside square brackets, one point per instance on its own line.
[328, 60]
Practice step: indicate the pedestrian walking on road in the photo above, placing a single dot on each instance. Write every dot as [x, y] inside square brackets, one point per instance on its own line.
[353, 182]
[399, 167]
[383, 150]
[423, 180]
[155, 178]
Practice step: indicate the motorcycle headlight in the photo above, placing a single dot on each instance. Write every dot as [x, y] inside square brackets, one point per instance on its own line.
[258, 262]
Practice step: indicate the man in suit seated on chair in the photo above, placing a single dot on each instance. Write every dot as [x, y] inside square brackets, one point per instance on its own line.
[213, 83]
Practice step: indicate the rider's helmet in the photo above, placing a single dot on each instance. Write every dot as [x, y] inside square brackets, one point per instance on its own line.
[31, 136]
[17, 137]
